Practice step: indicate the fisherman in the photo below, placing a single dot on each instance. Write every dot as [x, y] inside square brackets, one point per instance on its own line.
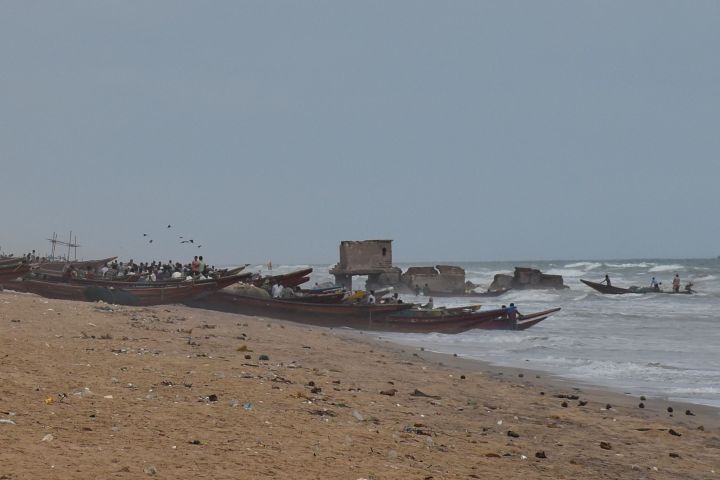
[512, 315]
[607, 281]
[195, 266]
[654, 284]
[429, 305]
[676, 283]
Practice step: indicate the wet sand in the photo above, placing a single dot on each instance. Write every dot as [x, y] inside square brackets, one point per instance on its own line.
[94, 391]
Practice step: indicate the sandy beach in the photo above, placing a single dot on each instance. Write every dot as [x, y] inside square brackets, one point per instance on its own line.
[98, 391]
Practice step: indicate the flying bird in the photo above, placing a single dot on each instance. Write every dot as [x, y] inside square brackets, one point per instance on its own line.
[150, 241]
[144, 234]
[169, 226]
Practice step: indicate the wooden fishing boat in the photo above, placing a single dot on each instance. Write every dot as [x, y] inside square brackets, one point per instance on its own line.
[291, 279]
[489, 293]
[238, 277]
[335, 296]
[375, 317]
[56, 269]
[613, 290]
[137, 296]
[12, 271]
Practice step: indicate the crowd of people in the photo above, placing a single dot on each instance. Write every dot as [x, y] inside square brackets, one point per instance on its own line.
[145, 272]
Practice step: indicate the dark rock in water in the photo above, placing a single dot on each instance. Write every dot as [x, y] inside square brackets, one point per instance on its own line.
[512, 434]
[540, 454]
[454, 354]
[564, 404]
[605, 445]
[689, 412]
[642, 397]
[641, 405]
[582, 403]
[264, 357]
[670, 409]
[673, 432]
[213, 397]
[389, 392]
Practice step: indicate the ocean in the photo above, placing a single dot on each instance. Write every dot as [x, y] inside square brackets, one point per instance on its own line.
[643, 344]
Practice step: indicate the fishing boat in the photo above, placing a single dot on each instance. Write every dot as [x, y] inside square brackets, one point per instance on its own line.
[392, 317]
[140, 295]
[471, 294]
[13, 270]
[238, 277]
[613, 290]
[57, 268]
[291, 279]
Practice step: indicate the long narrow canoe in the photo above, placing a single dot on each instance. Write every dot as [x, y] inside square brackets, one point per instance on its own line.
[56, 269]
[136, 296]
[612, 290]
[290, 279]
[377, 317]
[160, 283]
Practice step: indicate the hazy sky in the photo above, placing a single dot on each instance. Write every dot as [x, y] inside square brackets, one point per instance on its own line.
[463, 130]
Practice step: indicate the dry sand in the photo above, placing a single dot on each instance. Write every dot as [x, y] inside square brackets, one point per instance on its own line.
[90, 391]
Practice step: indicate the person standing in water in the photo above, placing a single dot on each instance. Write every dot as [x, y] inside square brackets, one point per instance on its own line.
[676, 283]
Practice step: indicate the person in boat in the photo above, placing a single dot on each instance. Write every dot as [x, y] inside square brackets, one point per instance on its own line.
[676, 284]
[429, 305]
[89, 273]
[195, 266]
[607, 281]
[654, 284]
[370, 298]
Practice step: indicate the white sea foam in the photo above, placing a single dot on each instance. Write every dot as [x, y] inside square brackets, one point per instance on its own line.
[665, 268]
[629, 265]
[586, 265]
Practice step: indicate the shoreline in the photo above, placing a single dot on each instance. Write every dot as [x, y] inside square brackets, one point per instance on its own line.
[95, 391]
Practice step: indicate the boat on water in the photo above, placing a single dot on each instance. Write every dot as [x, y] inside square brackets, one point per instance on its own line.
[472, 294]
[139, 295]
[613, 290]
[385, 317]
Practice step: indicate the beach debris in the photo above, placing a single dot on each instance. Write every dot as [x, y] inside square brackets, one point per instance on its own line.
[323, 413]
[540, 454]
[243, 348]
[416, 428]
[582, 403]
[605, 445]
[389, 392]
[608, 407]
[419, 393]
[701, 428]
[674, 455]
[462, 377]
[48, 438]
[195, 442]
[248, 357]
[542, 393]
[150, 470]
[642, 397]
[5, 421]
[358, 416]
[674, 432]
[521, 375]
[513, 434]
[670, 409]
[316, 390]
[570, 396]
[689, 412]
[212, 398]
[264, 358]
[493, 455]
[49, 400]
[564, 404]
[233, 403]
[248, 406]
[641, 405]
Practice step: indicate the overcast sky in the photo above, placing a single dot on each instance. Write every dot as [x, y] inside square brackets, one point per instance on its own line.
[463, 130]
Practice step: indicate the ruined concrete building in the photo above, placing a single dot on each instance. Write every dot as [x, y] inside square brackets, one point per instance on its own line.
[527, 278]
[445, 279]
[368, 257]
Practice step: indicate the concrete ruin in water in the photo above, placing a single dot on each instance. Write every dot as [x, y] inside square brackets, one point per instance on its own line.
[373, 258]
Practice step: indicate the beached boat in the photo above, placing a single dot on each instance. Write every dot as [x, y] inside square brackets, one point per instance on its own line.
[238, 277]
[140, 295]
[291, 279]
[377, 317]
[13, 270]
[57, 268]
[613, 290]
